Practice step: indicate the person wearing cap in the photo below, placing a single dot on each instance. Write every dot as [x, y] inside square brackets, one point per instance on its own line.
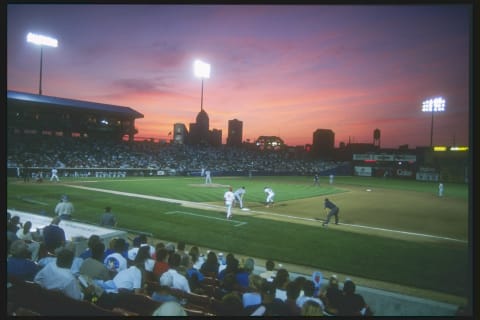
[64, 209]
[333, 211]
[270, 196]
[108, 218]
[54, 175]
[229, 197]
[239, 193]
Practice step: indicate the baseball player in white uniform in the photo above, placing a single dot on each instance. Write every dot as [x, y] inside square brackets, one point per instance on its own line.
[54, 175]
[239, 196]
[229, 198]
[208, 177]
[270, 195]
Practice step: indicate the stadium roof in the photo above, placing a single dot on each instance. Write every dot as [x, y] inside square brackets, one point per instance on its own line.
[62, 102]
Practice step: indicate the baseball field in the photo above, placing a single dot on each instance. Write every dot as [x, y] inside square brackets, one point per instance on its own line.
[396, 231]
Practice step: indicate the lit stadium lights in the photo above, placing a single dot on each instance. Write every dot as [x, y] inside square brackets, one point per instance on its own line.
[432, 106]
[41, 41]
[202, 70]
[439, 148]
[458, 148]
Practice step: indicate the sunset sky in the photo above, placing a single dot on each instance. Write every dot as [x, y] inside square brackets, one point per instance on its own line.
[282, 70]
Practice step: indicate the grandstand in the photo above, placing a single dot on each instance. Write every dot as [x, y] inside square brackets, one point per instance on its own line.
[87, 162]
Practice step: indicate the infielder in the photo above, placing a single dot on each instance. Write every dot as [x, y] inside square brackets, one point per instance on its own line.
[333, 212]
[239, 196]
[229, 198]
[208, 178]
[270, 195]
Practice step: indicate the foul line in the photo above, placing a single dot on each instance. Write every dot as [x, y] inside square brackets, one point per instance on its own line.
[240, 223]
[216, 207]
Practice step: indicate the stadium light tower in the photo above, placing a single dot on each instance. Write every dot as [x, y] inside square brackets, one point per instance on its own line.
[432, 106]
[41, 41]
[202, 70]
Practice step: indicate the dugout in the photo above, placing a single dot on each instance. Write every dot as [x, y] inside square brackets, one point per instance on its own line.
[29, 113]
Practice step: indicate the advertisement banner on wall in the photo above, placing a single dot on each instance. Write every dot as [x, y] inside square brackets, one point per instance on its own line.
[427, 176]
[363, 171]
[404, 173]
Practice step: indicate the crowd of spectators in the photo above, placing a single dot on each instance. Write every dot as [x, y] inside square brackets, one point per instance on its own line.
[74, 153]
[170, 275]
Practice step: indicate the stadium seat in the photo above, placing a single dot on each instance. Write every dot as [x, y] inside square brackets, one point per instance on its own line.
[31, 296]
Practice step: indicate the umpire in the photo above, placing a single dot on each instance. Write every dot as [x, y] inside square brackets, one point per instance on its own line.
[333, 212]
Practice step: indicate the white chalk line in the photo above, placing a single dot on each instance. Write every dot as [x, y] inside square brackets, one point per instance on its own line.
[216, 207]
[237, 223]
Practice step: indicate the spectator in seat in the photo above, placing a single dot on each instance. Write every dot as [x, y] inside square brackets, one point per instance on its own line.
[272, 306]
[211, 265]
[161, 264]
[231, 267]
[332, 296]
[281, 280]
[269, 273]
[54, 235]
[132, 279]
[351, 304]
[308, 294]
[93, 266]
[58, 276]
[245, 272]
[179, 281]
[91, 241]
[311, 309]
[293, 292]
[25, 234]
[19, 266]
[116, 262]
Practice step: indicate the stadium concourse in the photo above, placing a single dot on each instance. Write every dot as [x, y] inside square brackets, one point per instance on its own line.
[384, 299]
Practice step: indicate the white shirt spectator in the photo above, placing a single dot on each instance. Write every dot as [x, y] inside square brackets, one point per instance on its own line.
[178, 281]
[129, 279]
[54, 278]
[115, 262]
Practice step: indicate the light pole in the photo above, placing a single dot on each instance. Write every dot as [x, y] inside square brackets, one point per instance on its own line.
[41, 41]
[202, 70]
[433, 105]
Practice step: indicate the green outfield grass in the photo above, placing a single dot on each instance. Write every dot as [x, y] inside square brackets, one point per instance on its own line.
[399, 231]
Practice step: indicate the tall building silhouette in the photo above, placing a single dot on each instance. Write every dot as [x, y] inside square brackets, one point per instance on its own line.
[323, 143]
[235, 132]
[180, 133]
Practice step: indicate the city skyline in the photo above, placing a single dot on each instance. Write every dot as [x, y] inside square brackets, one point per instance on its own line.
[283, 71]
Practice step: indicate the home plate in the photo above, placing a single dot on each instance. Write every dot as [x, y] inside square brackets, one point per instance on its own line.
[245, 209]
[368, 190]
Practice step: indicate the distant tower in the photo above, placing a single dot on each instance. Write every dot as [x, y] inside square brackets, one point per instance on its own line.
[235, 132]
[199, 131]
[376, 138]
[180, 133]
[323, 142]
